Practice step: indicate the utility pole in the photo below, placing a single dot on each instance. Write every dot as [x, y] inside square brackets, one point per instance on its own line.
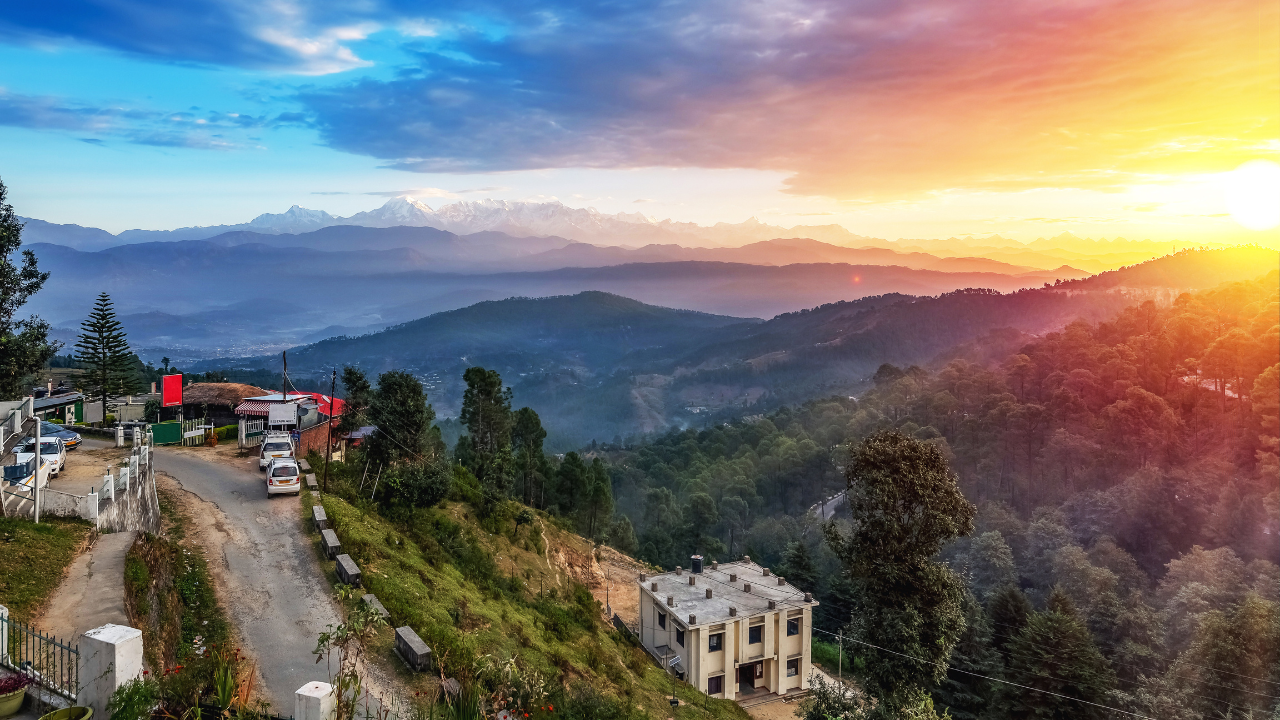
[38, 463]
[840, 657]
[333, 383]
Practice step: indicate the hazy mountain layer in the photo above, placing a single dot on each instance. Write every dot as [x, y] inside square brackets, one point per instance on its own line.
[596, 365]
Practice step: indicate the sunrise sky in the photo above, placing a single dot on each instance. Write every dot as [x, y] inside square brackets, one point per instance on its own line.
[918, 118]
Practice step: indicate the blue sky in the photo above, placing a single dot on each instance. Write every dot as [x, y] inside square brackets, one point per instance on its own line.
[910, 118]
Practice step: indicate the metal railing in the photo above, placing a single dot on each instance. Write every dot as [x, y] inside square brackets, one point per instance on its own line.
[48, 661]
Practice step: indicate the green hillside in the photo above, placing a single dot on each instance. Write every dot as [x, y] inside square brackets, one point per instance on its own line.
[504, 603]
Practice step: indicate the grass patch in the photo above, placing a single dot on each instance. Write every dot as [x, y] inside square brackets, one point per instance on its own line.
[470, 589]
[33, 559]
[169, 593]
[826, 655]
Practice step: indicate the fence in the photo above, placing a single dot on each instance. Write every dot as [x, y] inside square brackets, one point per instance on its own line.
[251, 433]
[50, 662]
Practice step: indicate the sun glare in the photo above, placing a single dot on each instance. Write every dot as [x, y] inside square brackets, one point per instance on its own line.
[1252, 194]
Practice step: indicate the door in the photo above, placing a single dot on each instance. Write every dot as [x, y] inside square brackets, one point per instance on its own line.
[747, 677]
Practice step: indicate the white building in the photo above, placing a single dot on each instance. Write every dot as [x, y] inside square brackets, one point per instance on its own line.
[733, 630]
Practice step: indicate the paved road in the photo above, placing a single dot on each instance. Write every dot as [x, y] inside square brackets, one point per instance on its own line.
[275, 593]
[826, 509]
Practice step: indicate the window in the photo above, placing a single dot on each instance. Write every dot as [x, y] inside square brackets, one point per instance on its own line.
[680, 637]
[755, 635]
[715, 685]
[662, 620]
[793, 667]
[793, 627]
[715, 643]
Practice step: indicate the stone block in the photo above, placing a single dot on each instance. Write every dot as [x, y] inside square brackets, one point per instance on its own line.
[372, 601]
[109, 657]
[411, 649]
[312, 485]
[303, 465]
[315, 701]
[319, 518]
[348, 571]
[329, 541]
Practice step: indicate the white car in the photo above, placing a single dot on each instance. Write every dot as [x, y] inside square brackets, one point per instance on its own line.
[273, 447]
[283, 476]
[50, 447]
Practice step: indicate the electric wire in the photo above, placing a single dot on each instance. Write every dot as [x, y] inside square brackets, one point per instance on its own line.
[1005, 682]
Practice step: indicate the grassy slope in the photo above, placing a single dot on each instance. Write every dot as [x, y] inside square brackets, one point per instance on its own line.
[169, 594]
[405, 566]
[33, 559]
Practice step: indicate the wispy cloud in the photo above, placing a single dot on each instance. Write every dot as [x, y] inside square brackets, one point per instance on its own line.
[139, 126]
[856, 99]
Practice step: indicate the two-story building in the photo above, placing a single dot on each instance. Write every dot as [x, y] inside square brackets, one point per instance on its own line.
[733, 630]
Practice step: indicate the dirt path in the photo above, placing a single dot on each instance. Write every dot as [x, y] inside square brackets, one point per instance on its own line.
[262, 562]
[92, 593]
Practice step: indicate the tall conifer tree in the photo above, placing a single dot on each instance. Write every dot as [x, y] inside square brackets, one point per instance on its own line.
[103, 349]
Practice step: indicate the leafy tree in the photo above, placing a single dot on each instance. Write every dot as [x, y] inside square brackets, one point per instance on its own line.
[104, 352]
[702, 515]
[403, 418]
[420, 484]
[24, 344]
[1054, 653]
[359, 393]
[1228, 664]
[622, 536]
[527, 435]
[486, 411]
[597, 506]
[991, 564]
[907, 609]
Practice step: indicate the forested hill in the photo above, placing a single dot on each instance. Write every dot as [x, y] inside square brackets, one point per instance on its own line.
[1125, 473]
[596, 365]
[1186, 270]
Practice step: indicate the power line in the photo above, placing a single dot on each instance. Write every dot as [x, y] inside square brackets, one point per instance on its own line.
[1005, 682]
[1183, 677]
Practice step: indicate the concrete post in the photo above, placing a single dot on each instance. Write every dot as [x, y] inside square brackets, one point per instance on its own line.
[4, 636]
[315, 701]
[119, 435]
[110, 656]
[240, 436]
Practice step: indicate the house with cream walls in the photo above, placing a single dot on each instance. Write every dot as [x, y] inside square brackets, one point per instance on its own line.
[733, 630]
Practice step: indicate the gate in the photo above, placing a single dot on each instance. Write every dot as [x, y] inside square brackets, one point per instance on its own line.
[253, 432]
[50, 662]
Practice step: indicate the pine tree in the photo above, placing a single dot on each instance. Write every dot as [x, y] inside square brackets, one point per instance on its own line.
[964, 694]
[1055, 653]
[797, 567]
[103, 350]
[24, 344]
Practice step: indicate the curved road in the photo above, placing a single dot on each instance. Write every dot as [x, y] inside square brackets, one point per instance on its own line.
[275, 592]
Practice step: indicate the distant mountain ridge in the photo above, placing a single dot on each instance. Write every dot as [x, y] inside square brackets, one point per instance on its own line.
[623, 230]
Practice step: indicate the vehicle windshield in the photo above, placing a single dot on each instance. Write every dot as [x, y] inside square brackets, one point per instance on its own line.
[276, 447]
[284, 471]
[48, 446]
[49, 428]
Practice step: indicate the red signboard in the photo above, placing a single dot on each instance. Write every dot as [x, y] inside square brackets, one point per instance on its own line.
[170, 390]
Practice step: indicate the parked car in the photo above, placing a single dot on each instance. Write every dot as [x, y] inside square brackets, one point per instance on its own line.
[274, 445]
[70, 438]
[52, 448]
[283, 476]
